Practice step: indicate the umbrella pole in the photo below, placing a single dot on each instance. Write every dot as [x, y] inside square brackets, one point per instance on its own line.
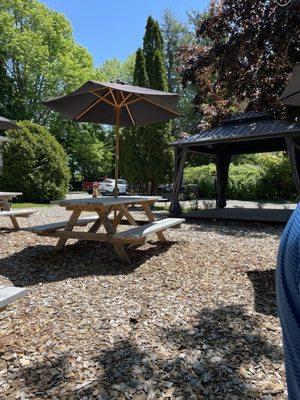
[117, 158]
[117, 150]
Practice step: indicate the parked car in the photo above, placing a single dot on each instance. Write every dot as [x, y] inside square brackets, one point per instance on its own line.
[87, 186]
[107, 186]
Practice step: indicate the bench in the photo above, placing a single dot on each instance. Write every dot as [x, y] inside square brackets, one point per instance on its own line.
[22, 213]
[40, 229]
[9, 294]
[143, 231]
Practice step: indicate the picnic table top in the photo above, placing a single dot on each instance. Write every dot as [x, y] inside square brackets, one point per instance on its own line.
[10, 194]
[108, 201]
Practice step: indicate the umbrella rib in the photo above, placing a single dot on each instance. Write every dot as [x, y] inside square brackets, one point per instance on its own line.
[87, 109]
[104, 99]
[127, 107]
[290, 95]
[158, 105]
[125, 99]
[113, 96]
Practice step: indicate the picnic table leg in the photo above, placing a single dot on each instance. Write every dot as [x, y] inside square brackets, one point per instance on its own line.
[110, 229]
[6, 207]
[69, 227]
[151, 218]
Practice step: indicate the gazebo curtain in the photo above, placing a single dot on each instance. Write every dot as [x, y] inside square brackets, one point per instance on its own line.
[293, 148]
[222, 165]
[180, 159]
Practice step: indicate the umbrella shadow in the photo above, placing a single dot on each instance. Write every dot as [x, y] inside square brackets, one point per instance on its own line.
[264, 285]
[42, 264]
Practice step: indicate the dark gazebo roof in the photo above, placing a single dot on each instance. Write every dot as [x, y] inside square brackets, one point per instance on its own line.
[252, 132]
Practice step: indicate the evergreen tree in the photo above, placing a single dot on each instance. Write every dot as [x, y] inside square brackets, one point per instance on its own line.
[152, 41]
[140, 74]
[156, 137]
[146, 155]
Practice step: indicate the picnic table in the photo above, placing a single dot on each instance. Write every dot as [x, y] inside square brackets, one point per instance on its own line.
[120, 208]
[6, 211]
[9, 294]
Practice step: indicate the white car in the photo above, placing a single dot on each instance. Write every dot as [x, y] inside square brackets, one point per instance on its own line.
[107, 186]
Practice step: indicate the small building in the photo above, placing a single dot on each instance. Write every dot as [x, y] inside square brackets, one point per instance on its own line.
[251, 132]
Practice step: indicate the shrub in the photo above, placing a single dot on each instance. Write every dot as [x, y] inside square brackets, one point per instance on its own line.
[270, 178]
[35, 164]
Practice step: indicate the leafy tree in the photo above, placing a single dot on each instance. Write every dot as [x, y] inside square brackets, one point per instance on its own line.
[175, 34]
[41, 56]
[87, 146]
[35, 164]
[114, 69]
[244, 57]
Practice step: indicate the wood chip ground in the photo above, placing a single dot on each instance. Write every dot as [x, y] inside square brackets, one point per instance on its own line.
[191, 319]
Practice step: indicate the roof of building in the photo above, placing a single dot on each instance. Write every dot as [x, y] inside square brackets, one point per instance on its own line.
[253, 131]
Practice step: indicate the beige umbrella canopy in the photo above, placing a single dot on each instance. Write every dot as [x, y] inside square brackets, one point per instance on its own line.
[116, 103]
[291, 95]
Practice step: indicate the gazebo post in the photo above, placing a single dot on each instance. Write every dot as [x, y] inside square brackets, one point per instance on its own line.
[180, 159]
[222, 166]
[293, 150]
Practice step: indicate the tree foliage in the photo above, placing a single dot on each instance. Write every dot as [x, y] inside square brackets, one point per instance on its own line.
[35, 164]
[41, 56]
[244, 57]
[113, 69]
[146, 158]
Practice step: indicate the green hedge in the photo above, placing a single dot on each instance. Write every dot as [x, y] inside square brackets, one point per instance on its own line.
[34, 163]
[266, 177]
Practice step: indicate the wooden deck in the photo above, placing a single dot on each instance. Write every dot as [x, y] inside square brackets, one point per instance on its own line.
[242, 214]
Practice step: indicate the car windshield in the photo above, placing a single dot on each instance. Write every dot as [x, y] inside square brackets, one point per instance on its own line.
[122, 181]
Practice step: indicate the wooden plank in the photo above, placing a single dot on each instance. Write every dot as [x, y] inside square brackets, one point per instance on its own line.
[9, 294]
[151, 218]
[6, 207]
[69, 227]
[148, 229]
[18, 212]
[110, 229]
[10, 194]
[107, 201]
[242, 214]
[60, 225]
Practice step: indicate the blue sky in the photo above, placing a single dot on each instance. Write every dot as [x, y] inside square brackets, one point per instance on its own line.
[115, 28]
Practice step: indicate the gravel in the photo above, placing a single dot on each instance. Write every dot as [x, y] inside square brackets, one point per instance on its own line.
[194, 318]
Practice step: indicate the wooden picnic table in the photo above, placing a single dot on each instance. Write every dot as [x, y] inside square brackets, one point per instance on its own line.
[6, 211]
[120, 208]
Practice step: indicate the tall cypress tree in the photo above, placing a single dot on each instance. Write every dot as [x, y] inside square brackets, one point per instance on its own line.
[140, 77]
[157, 136]
[147, 157]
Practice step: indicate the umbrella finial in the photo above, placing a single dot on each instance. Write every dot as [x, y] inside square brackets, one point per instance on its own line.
[120, 82]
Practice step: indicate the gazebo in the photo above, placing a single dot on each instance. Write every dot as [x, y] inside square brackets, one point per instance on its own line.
[251, 132]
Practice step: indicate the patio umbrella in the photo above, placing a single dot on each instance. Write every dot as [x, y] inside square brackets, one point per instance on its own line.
[7, 124]
[116, 103]
[291, 95]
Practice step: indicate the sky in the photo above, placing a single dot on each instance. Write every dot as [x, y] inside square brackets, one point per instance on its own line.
[115, 28]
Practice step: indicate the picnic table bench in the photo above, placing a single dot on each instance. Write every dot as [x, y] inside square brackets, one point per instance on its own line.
[6, 211]
[103, 207]
[9, 294]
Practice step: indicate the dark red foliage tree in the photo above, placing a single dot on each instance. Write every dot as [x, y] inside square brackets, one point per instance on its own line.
[244, 58]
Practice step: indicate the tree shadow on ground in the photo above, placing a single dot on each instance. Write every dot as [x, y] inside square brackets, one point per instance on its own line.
[264, 286]
[205, 362]
[41, 264]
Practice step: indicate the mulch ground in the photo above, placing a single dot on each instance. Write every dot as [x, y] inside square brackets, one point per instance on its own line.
[191, 319]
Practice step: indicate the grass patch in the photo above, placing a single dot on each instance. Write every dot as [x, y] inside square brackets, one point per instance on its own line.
[29, 205]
